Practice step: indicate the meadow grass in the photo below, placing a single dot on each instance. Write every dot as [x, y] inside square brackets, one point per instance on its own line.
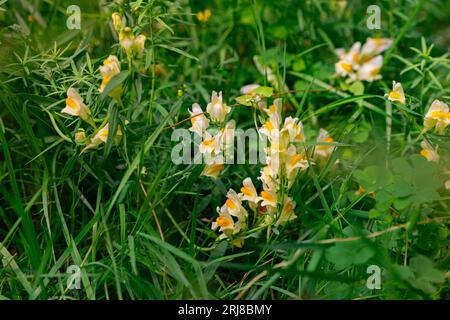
[139, 226]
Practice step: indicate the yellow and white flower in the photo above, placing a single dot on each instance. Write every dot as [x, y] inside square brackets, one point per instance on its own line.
[287, 212]
[324, 151]
[225, 223]
[269, 178]
[397, 93]
[294, 162]
[362, 63]
[75, 105]
[210, 144]
[102, 136]
[295, 129]
[234, 206]
[109, 69]
[212, 170]
[248, 191]
[437, 117]
[269, 198]
[198, 120]
[217, 109]
[271, 77]
[370, 70]
[373, 47]
[429, 152]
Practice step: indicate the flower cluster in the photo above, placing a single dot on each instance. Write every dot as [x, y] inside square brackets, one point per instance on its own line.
[286, 156]
[75, 106]
[217, 140]
[362, 63]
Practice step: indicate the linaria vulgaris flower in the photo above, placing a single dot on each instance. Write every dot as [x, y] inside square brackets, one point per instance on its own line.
[437, 117]
[198, 120]
[397, 93]
[75, 105]
[429, 152]
[217, 109]
[324, 151]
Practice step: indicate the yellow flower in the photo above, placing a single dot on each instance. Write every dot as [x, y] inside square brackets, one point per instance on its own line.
[429, 152]
[438, 116]
[75, 105]
[117, 21]
[397, 93]
[248, 191]
[287, 213]
[204, 16]
[217, 109]
[109, 69]
[212, 170]
[80, 136]
[126, 39]
[198, 120]
[324, 151]
[139, 45]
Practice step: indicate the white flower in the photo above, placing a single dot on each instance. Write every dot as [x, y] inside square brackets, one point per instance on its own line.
[248, 191]
[324, 151]
[216, 108]
[198, 120]
[75, 105]
[370, 70]
[429, 152]
[447, 184]
[397, 93]
[438, 116]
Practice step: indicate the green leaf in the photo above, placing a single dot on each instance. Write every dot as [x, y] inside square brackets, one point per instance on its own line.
[245, 100]
[357, 88]
[114, 83]
[263, 91]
